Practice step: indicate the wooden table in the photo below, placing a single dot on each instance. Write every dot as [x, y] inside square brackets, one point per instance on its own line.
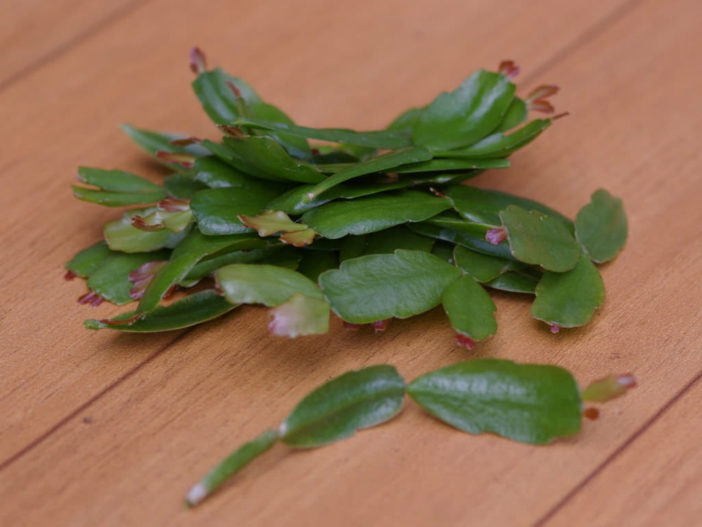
[106, 429]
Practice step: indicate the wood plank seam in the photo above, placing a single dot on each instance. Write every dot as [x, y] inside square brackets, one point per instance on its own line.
[586, 36]
[41, 438]
[616, 453]
[64, 48]
[589, 34]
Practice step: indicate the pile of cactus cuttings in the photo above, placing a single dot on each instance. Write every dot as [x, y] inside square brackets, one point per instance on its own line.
[368, 225]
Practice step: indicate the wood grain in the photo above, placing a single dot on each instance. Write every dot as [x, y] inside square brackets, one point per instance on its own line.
[158, 419]
[656, 481]
[33, 32]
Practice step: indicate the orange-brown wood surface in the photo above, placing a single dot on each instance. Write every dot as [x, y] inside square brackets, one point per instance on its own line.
[105, 429]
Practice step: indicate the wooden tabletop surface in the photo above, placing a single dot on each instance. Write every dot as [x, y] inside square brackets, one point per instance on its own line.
[106, 429]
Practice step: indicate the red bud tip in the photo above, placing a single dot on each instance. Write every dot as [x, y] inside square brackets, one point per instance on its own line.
[508, 68]
[70, 275]
[465, 341]
[142, 276]
[314, 151]
[91, 297]
[231, 130]
[380, 325]
[554, 328]
[351, 327]
[591, 413]
[184, 160]
[560, 115]
[543, 92]
[127, 321]
[185, 141]
[174, 204]
[234, 89]
[541, 105]
[198, 63]
[169, 292]
[437, 193]
[496, 236]
[140, 223]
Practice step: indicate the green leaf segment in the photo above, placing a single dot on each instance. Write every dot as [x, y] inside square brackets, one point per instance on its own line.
[528, 403]
[369, 225]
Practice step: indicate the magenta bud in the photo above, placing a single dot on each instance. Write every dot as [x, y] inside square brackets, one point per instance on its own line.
[185, 141]
[542, 92]
[380, 325]
[508, 68]
[184, 160]
[465, 341]
[70, 275]
[91, 297]
[554, 328]
[496, 236]
[174, 204]
[231, 130]
[198, 63]
[541, 105]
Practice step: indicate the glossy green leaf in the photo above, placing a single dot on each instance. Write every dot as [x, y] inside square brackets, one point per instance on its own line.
[569, 299]
[525, 402]
[295, 144]
[469, 308]
[264, 158]
[182, 186]
[116, 180]
[382, 163]
[215, 173]
[484, 206]
[217, 210]
[122, 236]
[189, 311]
[376, 139]
[538, 239]
[152, 142]
[117, 188]
[295, 201]
[232, 464]
[460, 232]
[515, 115]
[263, 284]
[185, 256]
[601, 226]
[499, 144]
[381, 286]
[406, 121]
[467, 114]
[89, 260]
[442, 165]
[111, 280]
[337, 409]
[514, 282]
[298, 316]
[213, 262]
[218, 99]
[366, 215]
[481, 267]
